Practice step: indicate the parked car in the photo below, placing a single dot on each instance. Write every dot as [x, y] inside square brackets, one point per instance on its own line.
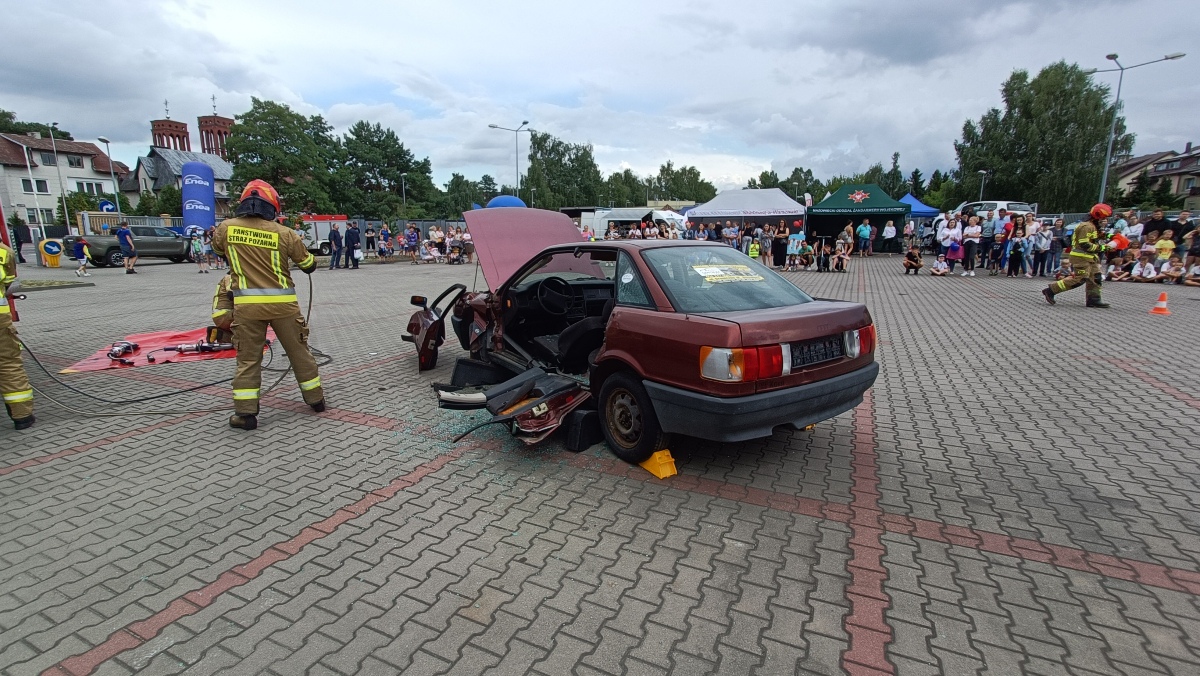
[151, 242]
[981, 208]
[663, 337]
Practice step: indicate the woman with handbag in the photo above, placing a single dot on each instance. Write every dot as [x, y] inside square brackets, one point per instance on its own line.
[951, 238]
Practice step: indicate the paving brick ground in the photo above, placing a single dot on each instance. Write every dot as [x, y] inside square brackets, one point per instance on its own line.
[1019, 494]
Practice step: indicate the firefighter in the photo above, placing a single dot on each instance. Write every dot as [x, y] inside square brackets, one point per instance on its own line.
[222, 309]
[259, 250]
[14, 384]
[1086, 247]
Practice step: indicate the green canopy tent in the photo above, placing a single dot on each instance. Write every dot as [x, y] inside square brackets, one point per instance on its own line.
[851, 204]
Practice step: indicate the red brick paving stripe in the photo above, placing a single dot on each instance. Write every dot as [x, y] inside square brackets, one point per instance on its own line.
[83, 448]
[1132, 367]
[137, 633]
[866, 622]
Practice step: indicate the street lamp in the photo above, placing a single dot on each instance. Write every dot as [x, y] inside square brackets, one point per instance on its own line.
[982, 179]
[112, 175]
[1112, 130]
[531, 189]
[58, 167]
[516, 151]
[404, 193]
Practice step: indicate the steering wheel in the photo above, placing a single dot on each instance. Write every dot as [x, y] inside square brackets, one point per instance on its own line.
[554, 296]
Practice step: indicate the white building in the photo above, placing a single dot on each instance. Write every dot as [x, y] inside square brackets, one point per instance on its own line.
[35, 172]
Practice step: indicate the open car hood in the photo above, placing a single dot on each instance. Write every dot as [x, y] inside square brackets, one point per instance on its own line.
[506, 238]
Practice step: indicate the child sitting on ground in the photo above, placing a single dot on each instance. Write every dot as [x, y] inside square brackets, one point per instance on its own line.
[1193, 276]
[1172, 271]
[1144, 270]
[1064, 269]
[1116, 270]
[941, 268]
[912, 260]
[1164, 247]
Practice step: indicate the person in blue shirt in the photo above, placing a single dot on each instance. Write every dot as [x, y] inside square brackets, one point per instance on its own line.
[335, 246]
[128, 250]
[412, 242]
[863, 232]
[81, 254]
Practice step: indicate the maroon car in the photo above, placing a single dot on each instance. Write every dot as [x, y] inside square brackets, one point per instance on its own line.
[666, 336]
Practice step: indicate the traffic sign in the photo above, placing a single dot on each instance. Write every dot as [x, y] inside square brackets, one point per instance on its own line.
[107, 206]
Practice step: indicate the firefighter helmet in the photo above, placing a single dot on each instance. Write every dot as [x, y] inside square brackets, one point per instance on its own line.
[263, 190]
[1100, 211]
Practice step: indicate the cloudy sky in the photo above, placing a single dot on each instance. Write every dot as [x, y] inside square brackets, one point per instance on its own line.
[731, 87]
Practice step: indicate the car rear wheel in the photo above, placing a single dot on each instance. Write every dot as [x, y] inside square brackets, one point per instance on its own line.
[177, 259]
[628, 420]
[114, 258]
[326, 249]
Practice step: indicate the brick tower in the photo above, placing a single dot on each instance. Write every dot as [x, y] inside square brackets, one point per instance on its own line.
[214, 131]
[171, 134]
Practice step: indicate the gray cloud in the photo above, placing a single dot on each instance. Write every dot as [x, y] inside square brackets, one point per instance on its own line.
[734, 89]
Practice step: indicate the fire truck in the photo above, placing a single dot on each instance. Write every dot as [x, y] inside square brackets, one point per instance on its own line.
[315, 231]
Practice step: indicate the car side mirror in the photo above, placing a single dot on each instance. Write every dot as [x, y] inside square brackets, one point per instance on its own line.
[419, 301]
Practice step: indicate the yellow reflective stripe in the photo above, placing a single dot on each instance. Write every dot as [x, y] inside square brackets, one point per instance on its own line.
[311, 260]
[258, 300]
[241, 395]
[311, 384]
[4, 310]
[218, 313]
[15, 397]
[278, 271]
[237, 266]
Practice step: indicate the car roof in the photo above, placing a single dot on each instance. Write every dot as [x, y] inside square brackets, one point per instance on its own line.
[633, 244]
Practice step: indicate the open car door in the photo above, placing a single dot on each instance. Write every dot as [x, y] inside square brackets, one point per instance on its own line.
[427, 326]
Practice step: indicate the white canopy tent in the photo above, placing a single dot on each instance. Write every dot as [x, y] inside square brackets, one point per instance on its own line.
[747, 203]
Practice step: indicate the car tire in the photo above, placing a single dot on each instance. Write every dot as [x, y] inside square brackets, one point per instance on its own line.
[628, 420]
[114, 258]
[177, 259]
[325, 249]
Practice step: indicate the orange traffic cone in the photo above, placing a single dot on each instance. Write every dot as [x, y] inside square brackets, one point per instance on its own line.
[1160, 308]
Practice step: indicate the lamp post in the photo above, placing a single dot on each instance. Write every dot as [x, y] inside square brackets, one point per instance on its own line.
[1112, 130]
[112, 175]
[58, 167]
[531, 190]
[404, 194]
[982, 180]
[516, 152]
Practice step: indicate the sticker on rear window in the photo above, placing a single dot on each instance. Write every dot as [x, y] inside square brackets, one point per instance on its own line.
[719, 274]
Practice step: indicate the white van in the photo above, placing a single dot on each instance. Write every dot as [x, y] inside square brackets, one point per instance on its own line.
[981, 208]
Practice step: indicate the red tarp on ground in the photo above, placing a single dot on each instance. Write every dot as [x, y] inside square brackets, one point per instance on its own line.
[148, 342]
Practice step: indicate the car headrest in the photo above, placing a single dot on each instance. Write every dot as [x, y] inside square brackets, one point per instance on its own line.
[608, 308]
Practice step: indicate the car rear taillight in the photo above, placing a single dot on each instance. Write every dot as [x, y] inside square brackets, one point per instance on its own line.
[737, 364]
[859, 341]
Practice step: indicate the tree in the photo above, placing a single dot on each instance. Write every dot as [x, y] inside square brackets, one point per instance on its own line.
[296, 154]
[560, 173]
[1048, 143]
[892, 182]
[76, 202]
[916, 184]
[1164, 197]
[487, 189]
[147, 204]
[381, 172]
[767, 179]
[1139, 195]
[623, 189]
[935, 180]
[683, 183]
[802, 181]
[170, 201]
[10, 125]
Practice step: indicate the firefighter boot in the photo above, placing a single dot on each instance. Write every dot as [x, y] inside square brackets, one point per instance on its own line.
[1096, 302]
[1049, 294]
[319, 406]
[24, 423]
[243, 421]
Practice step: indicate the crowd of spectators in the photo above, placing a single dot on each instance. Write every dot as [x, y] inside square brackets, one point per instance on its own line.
[1016, 245]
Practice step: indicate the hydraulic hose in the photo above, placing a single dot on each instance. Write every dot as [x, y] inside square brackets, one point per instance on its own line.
[322, 360]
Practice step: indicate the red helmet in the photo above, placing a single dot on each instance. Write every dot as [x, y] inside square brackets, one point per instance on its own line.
[1100, 211]
[261, 189]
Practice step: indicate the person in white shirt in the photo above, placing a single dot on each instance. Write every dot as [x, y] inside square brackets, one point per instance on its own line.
[1144, 270]
[1193, 277]
[889, 237]
[941, 268]
[971, 235]
[652, 231]
[1134, 231]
